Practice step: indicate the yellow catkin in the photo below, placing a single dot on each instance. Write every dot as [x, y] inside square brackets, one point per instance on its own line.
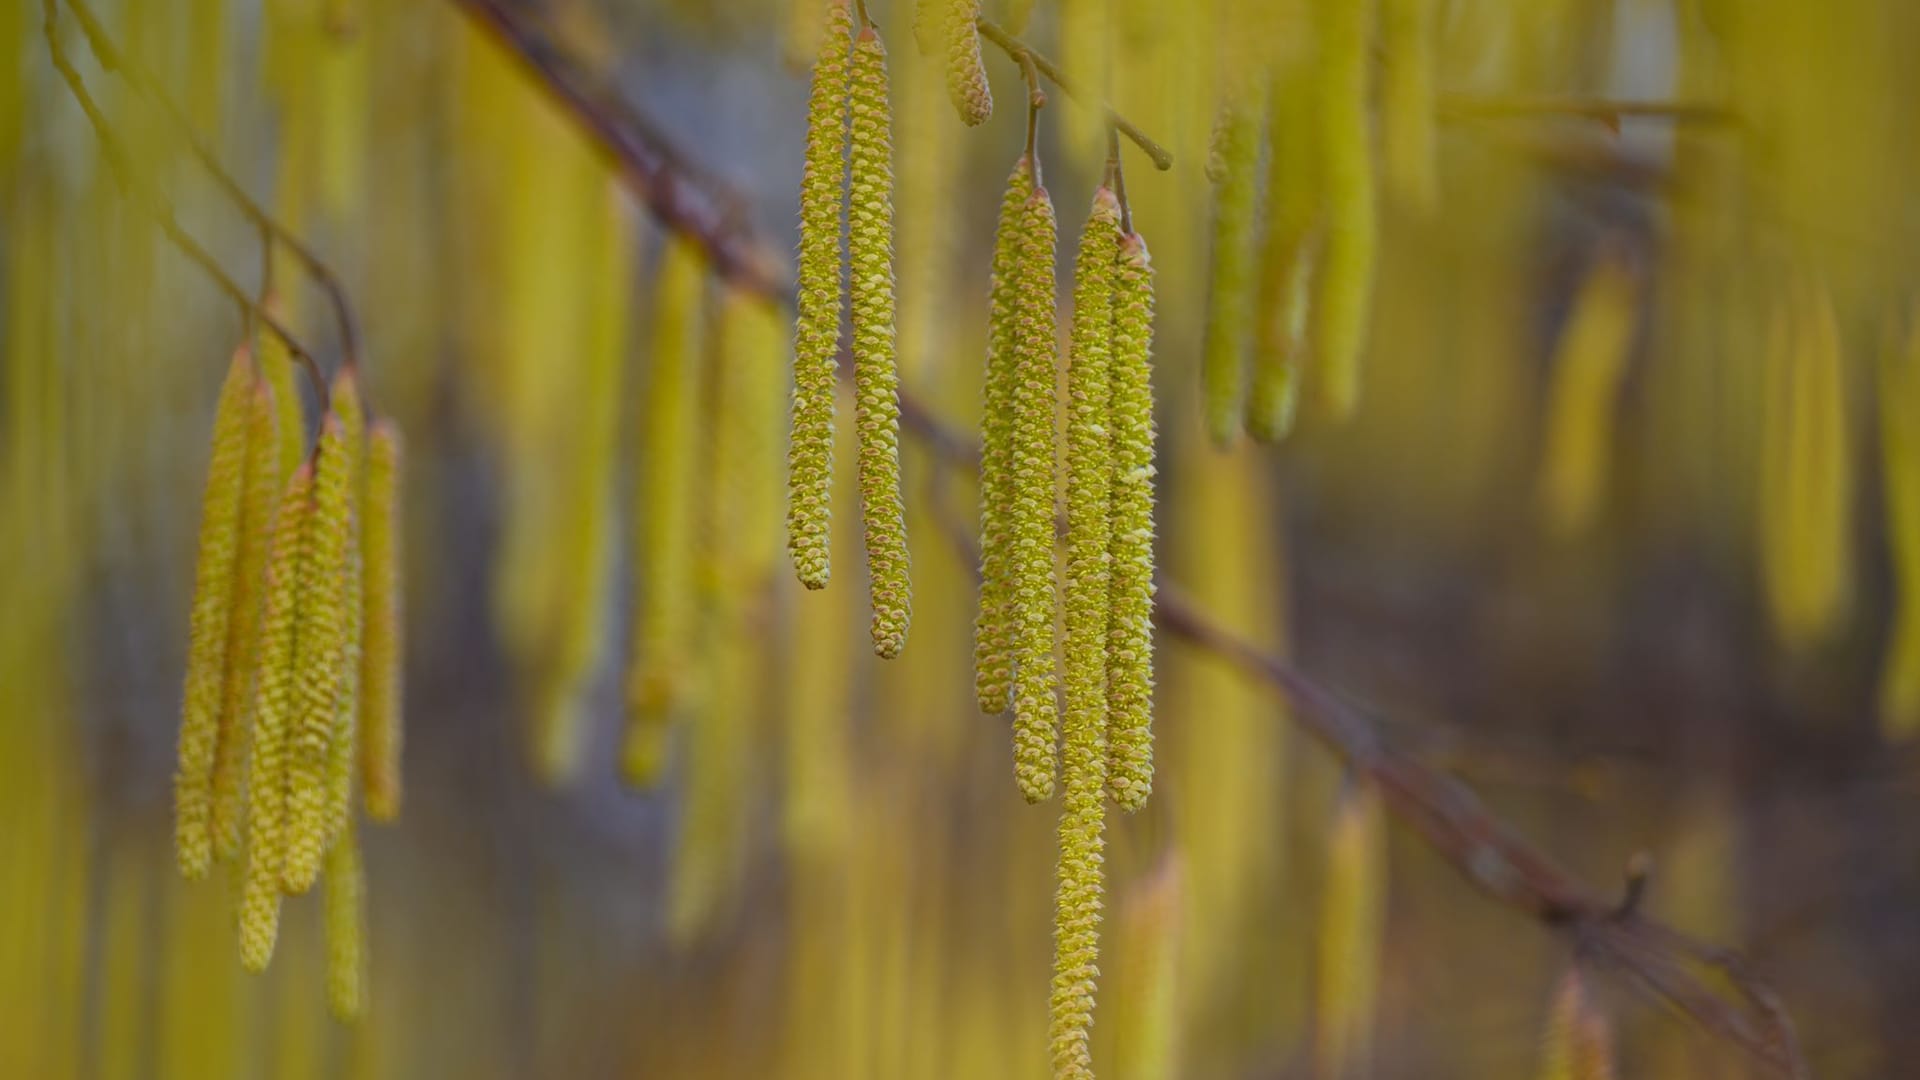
[665, 525]
[321, 659]
[1031, 472]
[816, 336]
[219, 555]
[1346, 269]
[278, 366]
[1899, 400]
[382, 733]
[993, 632]
[1352, 920]
[1589, 364]
[1579, 1040]
[1407, 101]
[1287, 251]
[1130, 629]
[1089, 485]
[1143, 996]
[275, 698]
[343, 751]
[344, 896]
[875, 365]
[966, 75]
[1223, 373]
[243, 641]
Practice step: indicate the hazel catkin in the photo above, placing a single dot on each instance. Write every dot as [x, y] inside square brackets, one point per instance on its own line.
[1287, 253]
[1130, 629]
[1899, 401]
[344, 897]
[213, 611]
[382, 734]
[966, 76]
[876, 371]
[1230, 288]
[1579, 1039]
[1345, 276]
[1031, 476]
[817, 328]
[1407, 112]
[993, 632]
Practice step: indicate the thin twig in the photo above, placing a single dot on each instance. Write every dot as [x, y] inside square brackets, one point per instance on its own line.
[1017, 49]
[156, 204]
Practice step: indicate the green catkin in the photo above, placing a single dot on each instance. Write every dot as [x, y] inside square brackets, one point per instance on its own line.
[1407, 112]
[274, 703]
[966, 76]
[817, 328]
[277, 365]
[993, 633]
[1286, 253]
[1031, 481]
[1130, 632]
[1346, 269]
[382, 734]
[343, 752]
[1089, 486]
[322, 651]
[243, 642]
[213, 612]
[1230, 289]
[1352, 922]
[666, 527]
[1899, 401]
[344, 895]
[875, 366]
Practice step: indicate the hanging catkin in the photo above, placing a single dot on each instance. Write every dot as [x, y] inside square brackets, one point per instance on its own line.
[1352, 917]
[1236, 156]
[326, 626]
[277, 364]
[875, 366]
[1130, 633]
[243, 640]
[1031, 472]
[1579, 1040]
[344, 894]
[382, 734]
[1287, 251]
[213, 611]
[966, 76]
[1589, 363]
[1899, 400]
[1346, 268]
[343, 750]
[1407, 111]
[816, 338]
[1089, 485]
[993, 631]
[665, 525]
[275, 698]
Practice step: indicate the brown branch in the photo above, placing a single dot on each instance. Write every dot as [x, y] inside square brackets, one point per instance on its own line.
[1024, 54]
[1482, 848]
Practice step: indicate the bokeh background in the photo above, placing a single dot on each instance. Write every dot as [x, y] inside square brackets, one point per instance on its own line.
[1543, 570]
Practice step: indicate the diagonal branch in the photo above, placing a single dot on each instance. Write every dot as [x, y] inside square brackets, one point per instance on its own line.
[1483, 849]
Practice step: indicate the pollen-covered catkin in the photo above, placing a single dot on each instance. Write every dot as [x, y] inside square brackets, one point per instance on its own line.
[875, 365]
[993, 631]
[1031, 479]
[343, 751]
[816, 338]
[1089, 486]
[322, 651]
[1230, 288]
[1130, 629]
[213, 611]
[665, 525]
[275, 699]
[243, 640]
[1347, 258]
[382, 734]
[344, 894]
[966, 76]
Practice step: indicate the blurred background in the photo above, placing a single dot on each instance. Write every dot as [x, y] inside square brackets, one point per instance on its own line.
[1622, 533]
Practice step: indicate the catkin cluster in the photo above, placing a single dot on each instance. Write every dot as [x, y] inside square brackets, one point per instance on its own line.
[849, 163]
[296, 613]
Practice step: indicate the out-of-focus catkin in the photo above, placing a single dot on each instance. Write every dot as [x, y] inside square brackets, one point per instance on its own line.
[1089, 486]
[966, 76]
[1143, 999]
[665, 523]
[1899, 400]
[1287, 250]
[243, 641]
[993, 630]
[1588, 366]
[275, 699]
[213, 612]
[816, 339]
[1347, 258]
[1352, 920]
[875, 365]
[382, 735]
[1407, 114]
[1579, 1039]
[277, 366]
[1031, 480]
[344, 895]
[1130, 628]
[1236, 157]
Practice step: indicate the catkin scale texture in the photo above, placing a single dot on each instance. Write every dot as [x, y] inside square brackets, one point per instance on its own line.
[966, 76]
[213, 611]
[1130, 623]
[993, 631]
[1347, 257]
[1031, 476]
[381, 651]
[875, 365]
[817, 328]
